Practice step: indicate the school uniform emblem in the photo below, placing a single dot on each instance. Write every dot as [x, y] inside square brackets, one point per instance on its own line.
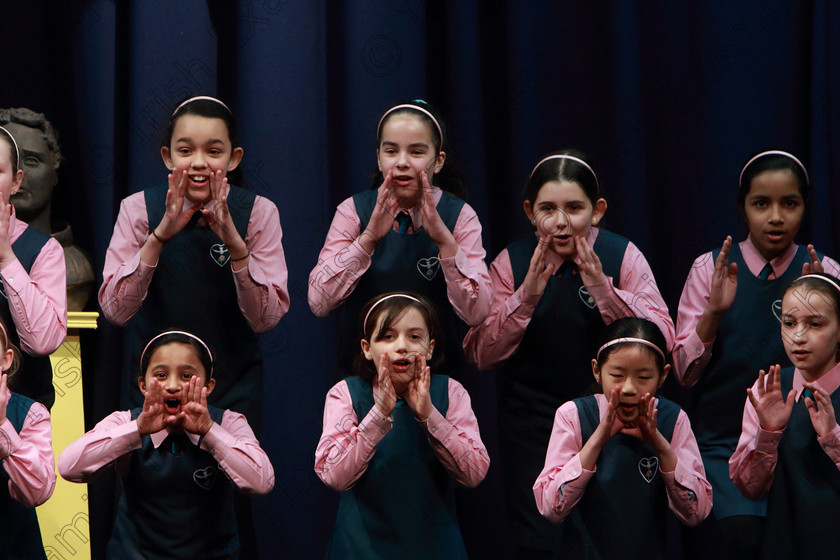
[587, 299]
[205, 477]
[428, 267]
[776, 308]
[648, 467]
[220, 254]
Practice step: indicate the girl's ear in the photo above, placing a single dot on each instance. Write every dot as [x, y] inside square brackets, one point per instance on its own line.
[529, 211]
[378, 161]
[598, 211]
[430, 350]
[211, 384]
[596, 371]
[664, 375]
[366, 349]
[16, 182]
[8, 358]
[141, 382]
[235, 158]
[167, 157]
[439, 161]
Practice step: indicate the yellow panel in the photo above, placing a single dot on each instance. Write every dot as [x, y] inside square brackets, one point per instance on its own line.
[64, 520]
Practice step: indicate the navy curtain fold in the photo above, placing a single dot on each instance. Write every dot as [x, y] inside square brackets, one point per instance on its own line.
[668, 99]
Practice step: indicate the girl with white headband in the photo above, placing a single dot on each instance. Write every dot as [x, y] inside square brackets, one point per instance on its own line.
[28, 463]
[789, 449]
[617, 458]
[395, 440]
[32, 284]
[727, 328]
[179, 460]
[554, 291]
[412, 231]
[201, 255]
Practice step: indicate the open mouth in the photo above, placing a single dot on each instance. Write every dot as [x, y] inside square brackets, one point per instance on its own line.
[403, 179]
[199, 179]
[628, 409]
[401, 365]
[776, 235]
[172, 405]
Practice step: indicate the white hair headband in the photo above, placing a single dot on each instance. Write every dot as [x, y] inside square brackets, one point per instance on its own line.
[647, 343]
[774, 153]
[572, 158]
[17, 150]
[188, 335]
[380, 300]
[201, 98]
[823, 278]
[416, 108]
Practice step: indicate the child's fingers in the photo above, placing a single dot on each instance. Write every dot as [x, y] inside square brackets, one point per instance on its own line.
[760, 385]
[752, 398]
[725, 248]
[812, 408]
[789, 400]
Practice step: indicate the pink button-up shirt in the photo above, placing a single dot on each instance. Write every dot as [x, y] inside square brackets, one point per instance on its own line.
[751, 466]
[563, 480]
[347, 445]
[28, 457]
[499, 335]
[232, 443]
[260, 286]
[342, 262]
[38, 300]
[691, 355]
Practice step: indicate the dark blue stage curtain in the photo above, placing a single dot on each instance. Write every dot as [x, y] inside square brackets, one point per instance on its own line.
[668, 98]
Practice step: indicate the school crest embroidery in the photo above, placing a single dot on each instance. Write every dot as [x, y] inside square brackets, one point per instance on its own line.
[587, 299]
[428, 267]
[776, 308]
[205, 477]
[219, 253]
[648, 467]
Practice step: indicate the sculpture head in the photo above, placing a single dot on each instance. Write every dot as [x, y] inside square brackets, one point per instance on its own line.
[40, 158]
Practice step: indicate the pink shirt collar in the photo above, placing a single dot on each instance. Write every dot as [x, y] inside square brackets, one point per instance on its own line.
[829, 381]
[414, 212]
[158, 437]
[755, 262]
[555, 259]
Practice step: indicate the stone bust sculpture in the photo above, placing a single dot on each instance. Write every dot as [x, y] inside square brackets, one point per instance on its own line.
[40, 158]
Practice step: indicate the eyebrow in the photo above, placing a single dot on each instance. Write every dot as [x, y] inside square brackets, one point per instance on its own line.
[191, 141]
[414, 145]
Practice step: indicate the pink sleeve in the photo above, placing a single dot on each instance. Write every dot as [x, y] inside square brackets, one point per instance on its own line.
[691, 355]
[689, 493]
[261, 285]
[455, 439]
[341, 263]
[38, 300]
[346, 445]
[467, 280]
[492, 342]
[830, 266]
[752, 465]
[239, 454]
[125, 279]
[112, 438]
[637, 295]
[28, 457]
[561, 484]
